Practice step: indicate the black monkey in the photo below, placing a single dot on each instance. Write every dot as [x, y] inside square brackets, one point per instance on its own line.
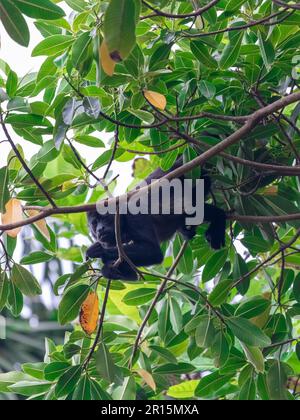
[142, 234]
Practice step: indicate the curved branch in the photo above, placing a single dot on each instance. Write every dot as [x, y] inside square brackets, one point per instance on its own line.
[289, 6]
[253, 120]
[251, 24]
[196, 13]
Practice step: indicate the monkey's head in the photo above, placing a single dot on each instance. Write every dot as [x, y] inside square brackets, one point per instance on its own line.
[102, 228]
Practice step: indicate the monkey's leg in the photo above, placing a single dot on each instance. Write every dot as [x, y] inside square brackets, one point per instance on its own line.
[122, 272]
[215, 234]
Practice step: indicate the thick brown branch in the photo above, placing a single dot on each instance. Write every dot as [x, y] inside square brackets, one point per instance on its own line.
[253, 120]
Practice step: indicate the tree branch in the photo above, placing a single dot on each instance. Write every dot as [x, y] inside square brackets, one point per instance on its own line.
[287, 5]
[253, 120]
[251, 24]
[196, 13]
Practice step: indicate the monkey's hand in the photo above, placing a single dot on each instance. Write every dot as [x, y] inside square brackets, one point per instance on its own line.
[95, 251]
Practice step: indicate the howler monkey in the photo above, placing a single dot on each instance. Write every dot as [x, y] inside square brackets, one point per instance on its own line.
[142, 234]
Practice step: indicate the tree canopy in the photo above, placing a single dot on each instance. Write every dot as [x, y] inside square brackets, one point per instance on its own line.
[215, 81]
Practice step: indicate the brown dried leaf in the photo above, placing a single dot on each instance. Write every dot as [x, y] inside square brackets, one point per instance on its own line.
[156, 99]
[13, 214]
[148, 378]
[108, 64]
[89, 313]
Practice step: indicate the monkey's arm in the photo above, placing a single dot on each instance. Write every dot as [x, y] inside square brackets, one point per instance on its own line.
[142, 253]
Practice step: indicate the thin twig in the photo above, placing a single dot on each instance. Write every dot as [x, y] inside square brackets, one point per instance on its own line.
[24, 164]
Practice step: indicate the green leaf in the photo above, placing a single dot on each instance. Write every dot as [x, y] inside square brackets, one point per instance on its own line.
[68, 381]
[15, 300]
[277, 381]
[296, 288]
[214, 265]
[267, 51]
[220, 349]
[105, 364]
[247, 332]
[39, 9]
[127, 391]
[30, 388]
[205, 332]
[36, 258]
[252, 308]
[207, 89]
[53, 45]
[4, 192]
[164, 353]
[144, 116]
[4, 290]
[8, 379]
[27, 121]
[12, 83]
[97, 393]
[164, 320]
[80, 49]
[220, 293]
[185, 390]
[36, 370]
[71, 302]
[119, 28]
[240, 269]
[55, 370]
[170, 369]
[248, 391]
[83, 390]
[175, 316]
[89, 141]
[255, 357]
[233, 5]
[14, 22]
[231, 52]
[203, 55]
[25, 281]
[211, 384]
[139, 297]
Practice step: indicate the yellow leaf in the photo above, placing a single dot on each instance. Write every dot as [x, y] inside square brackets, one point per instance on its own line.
[156, 99]
[89, 314]
[41, 225]
[13, 214]
[108, 64]
[148, 378]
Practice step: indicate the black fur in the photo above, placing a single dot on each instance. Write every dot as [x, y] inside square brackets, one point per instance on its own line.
[143, 234]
